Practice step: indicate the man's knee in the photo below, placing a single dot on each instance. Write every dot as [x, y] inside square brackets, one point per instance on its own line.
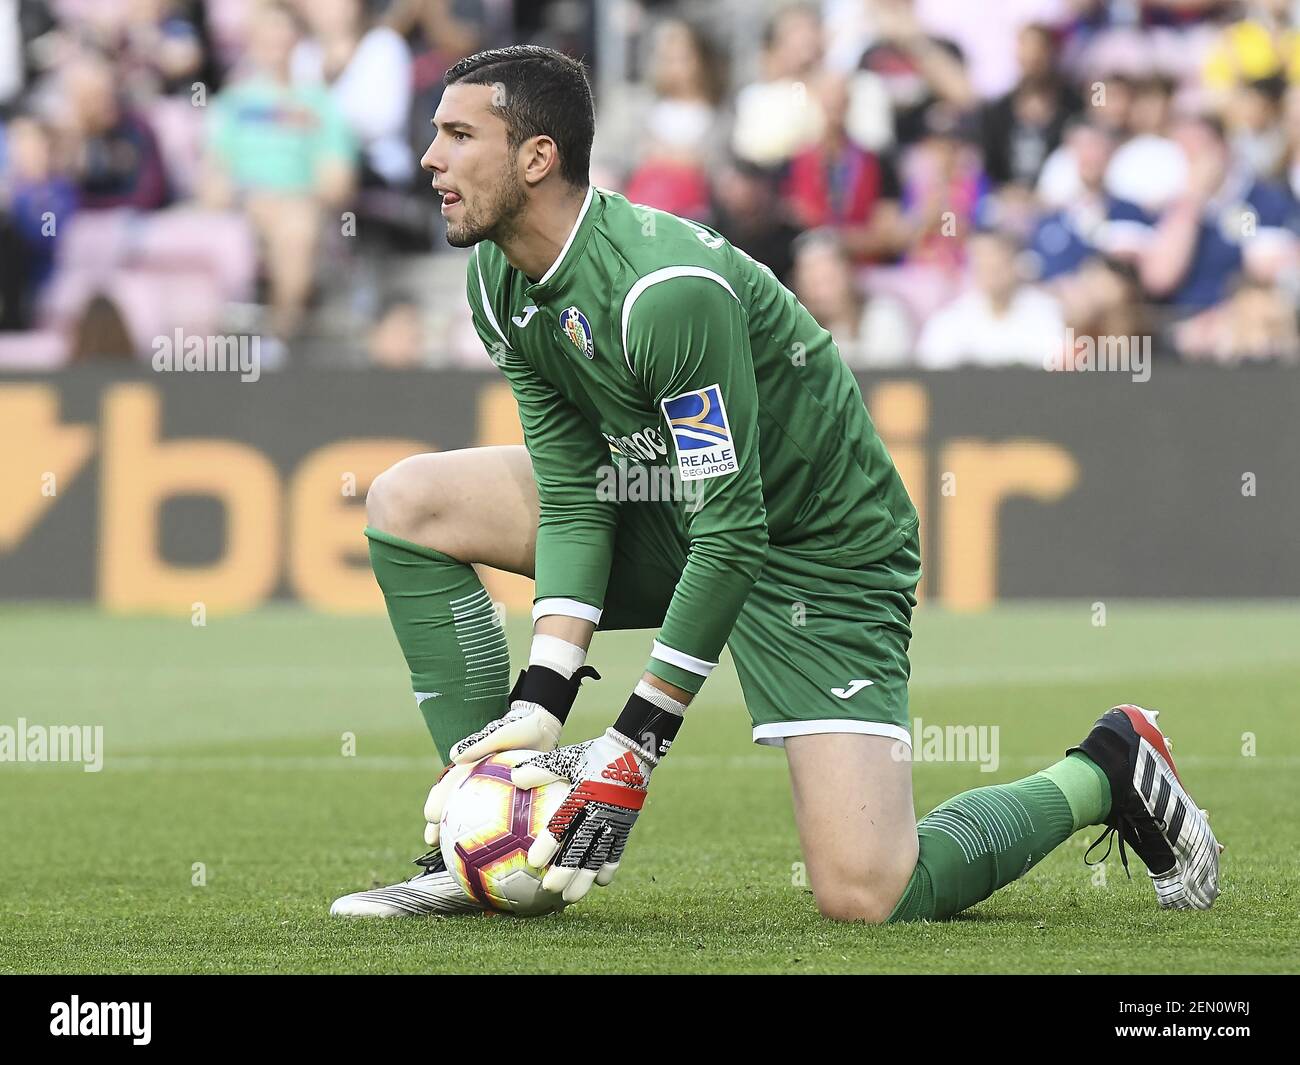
[403, 500]
[869, 903]
[852, 894]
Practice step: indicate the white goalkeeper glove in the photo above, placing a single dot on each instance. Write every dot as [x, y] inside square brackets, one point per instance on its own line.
[584, 841]
[539, 703]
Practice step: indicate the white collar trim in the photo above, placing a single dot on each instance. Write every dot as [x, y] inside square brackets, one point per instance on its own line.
[586, 203]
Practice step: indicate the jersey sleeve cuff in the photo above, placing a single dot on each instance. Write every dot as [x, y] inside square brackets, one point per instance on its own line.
[571, 608]
[682, 678]
[678, 668]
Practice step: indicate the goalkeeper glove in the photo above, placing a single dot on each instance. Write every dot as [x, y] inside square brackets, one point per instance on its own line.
[539, 703]
[584, 840]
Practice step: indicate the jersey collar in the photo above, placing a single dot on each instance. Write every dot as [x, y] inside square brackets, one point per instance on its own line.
[572, 249]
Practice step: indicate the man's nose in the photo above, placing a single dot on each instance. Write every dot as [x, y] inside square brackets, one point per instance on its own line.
[429, 161]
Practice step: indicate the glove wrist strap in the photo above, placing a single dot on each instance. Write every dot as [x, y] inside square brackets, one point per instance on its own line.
[550, 690]
[647, 727]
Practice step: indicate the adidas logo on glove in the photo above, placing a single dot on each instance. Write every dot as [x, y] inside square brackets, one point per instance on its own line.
[625, 770]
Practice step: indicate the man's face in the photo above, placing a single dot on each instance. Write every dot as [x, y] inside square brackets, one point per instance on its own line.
[1092, 151]
[1034, 53]
[474, 170]
[271, 40]
[993, 266]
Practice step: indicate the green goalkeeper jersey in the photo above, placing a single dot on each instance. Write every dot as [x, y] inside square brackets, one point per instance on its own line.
[652, 340]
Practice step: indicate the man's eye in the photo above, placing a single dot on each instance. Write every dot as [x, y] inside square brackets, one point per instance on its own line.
[461, 135]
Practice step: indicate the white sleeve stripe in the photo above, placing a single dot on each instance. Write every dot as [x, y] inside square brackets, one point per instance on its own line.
[666, 274]
[487, 305]
[570, 608]
[679, 658]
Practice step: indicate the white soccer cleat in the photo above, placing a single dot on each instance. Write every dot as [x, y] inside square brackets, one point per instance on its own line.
[1151, 811]
[431, 893]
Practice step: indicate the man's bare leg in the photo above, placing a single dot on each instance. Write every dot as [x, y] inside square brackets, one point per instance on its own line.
[870, 860]
[432, 518]
[478, 505]
[853, 808]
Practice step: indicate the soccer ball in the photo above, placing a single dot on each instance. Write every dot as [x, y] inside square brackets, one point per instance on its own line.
[487, 827]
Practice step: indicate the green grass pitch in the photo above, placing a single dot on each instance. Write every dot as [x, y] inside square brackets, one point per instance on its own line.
[223, 746]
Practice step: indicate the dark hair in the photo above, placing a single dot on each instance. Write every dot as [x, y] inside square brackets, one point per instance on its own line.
[545, 92]
[799, 9]
[1077, 123]
[713, 66]
[1208, 121]
[1272, 88]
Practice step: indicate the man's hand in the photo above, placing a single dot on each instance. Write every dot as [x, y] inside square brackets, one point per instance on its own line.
[585, 838]
[539, 703]
[527, 726]
[448, 781]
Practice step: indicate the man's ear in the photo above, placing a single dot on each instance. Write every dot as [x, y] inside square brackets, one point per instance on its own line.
[539, 157]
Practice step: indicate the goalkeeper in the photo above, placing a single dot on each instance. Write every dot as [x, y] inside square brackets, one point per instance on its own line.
[631, 337]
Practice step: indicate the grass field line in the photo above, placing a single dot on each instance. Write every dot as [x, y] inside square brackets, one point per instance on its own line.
[233, 674]
[141, 763]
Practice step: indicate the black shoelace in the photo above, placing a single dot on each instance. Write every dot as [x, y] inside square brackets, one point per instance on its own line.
[431, 862]
[1113, 831]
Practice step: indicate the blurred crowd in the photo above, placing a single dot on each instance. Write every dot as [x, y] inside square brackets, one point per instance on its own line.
[941, 182]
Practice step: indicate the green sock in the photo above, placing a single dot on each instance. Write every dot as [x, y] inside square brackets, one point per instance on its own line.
[1084, 786]
[982, 840]
[454, 644]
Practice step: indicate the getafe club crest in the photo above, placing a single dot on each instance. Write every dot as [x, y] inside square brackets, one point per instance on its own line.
[575, 326]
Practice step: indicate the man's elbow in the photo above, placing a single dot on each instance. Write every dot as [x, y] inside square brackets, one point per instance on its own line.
[1158, 278]
[747, 553]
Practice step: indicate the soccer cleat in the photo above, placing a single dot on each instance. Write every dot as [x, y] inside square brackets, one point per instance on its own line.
[1150, 810]
[430, 893]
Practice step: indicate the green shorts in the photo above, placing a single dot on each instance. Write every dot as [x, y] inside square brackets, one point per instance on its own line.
[818, 648]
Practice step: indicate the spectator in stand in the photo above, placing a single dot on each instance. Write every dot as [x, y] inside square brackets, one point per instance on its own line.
[1263, 44]
[158, 49]
[1102, 299]
[438, 33]
[284, 154]
[1094, 222]
[395, 341]
[41, 200]
[677, 126]
[918, 70]
[1256, 130]
[15, 302]
[1225, 221]
[1257, 323]
[999, 320]
[987, 34]
[775, 118]
[1023, 127]
[1109, 103]
[748, 212]
[1289, 170]
[870, 333]
[116, 159]
[944, 190]
[839, 184]
[368, 74]
[1148, 168]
